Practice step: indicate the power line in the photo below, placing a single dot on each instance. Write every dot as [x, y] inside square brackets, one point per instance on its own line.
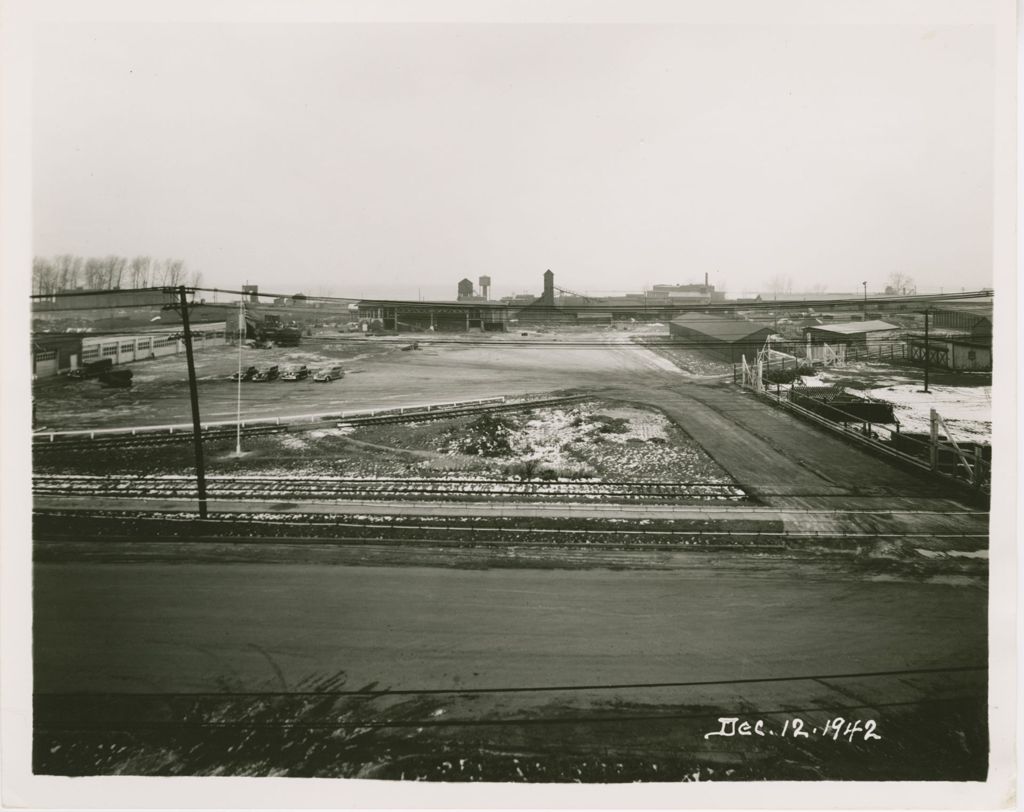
[854, 302]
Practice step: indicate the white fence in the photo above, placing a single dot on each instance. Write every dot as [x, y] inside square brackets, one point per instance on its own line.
[825, 354]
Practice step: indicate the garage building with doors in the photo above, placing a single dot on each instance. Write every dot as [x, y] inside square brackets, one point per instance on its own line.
[53, 353]
[56, 353]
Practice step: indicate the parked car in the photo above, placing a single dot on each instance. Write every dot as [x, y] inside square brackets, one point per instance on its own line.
[329, 374]
[248, 374]
[296, 373]
[268, 374]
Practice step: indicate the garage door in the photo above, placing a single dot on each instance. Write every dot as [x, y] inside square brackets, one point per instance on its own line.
[46, 364]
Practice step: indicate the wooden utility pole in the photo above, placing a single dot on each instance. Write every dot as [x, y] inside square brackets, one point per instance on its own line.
[927, 351]
[197, 429]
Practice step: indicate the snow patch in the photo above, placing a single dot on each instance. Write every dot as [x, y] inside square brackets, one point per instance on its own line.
[967, 410]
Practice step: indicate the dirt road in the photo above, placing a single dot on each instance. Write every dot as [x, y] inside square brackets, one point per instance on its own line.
[159, 627]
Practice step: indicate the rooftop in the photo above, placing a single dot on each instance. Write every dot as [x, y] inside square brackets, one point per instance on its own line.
[853, 327]
[720, 327]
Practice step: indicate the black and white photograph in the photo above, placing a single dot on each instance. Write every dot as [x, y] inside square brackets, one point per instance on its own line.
[584, 397]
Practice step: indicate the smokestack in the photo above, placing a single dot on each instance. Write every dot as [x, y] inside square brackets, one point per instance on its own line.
[705, 278]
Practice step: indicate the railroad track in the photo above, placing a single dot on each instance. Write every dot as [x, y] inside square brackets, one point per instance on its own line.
[342, 489]
[55, 442]
[147, 440]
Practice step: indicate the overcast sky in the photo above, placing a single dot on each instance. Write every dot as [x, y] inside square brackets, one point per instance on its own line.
[393, 160]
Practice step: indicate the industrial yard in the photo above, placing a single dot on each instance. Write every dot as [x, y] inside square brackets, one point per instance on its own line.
[549, 469]
[576, 395]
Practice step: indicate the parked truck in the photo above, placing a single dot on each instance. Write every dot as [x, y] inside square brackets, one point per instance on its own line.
[93, 369]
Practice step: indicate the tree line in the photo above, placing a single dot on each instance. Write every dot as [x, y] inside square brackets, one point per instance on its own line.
[900, 284]
[70, 272]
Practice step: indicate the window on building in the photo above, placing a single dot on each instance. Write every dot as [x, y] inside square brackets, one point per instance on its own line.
[47, 355]
[972, 355]
[108, 350]
[90, 354]
[127, 346]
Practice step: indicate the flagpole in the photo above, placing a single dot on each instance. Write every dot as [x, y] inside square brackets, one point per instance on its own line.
[241, 337]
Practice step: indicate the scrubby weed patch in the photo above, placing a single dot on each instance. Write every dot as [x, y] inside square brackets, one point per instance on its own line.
[423, 738]
[489, 435]
[591, 442]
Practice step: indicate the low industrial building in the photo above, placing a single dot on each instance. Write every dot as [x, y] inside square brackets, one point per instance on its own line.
[976, 325]
[56, 353]
[959, 340]
[400, 317]
[141, 346]
[723, 338]
[854, 334]
[951, 352]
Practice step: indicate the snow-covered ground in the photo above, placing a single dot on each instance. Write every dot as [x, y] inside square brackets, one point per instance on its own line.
[550, 434]
[967, 410]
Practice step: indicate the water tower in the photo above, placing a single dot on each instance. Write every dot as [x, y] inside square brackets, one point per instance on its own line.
[485, 287]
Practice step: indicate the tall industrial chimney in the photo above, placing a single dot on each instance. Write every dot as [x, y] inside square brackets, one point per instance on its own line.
[705, 279]
[548, 297]
[485, 287]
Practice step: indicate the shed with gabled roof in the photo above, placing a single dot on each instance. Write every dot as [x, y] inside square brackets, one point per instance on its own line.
[861, 334]
[728, 339]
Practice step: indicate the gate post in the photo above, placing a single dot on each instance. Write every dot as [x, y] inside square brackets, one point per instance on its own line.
[933, 420]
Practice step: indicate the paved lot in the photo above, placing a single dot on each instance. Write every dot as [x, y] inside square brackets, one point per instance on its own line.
[380, 376]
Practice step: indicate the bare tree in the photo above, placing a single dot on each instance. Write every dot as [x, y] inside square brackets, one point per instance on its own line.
[901, 284]
[139, 270]
[114, 267]
[173, 272]
[95, 273]
[44, 276]
[780, 283]
[69, 271]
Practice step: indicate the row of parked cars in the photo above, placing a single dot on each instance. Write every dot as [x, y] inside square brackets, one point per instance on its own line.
[293, 373]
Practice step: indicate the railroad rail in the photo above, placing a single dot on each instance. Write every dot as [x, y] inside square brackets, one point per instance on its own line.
[299, 528]
[149, 440]
[164, 435]
[348, 489]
